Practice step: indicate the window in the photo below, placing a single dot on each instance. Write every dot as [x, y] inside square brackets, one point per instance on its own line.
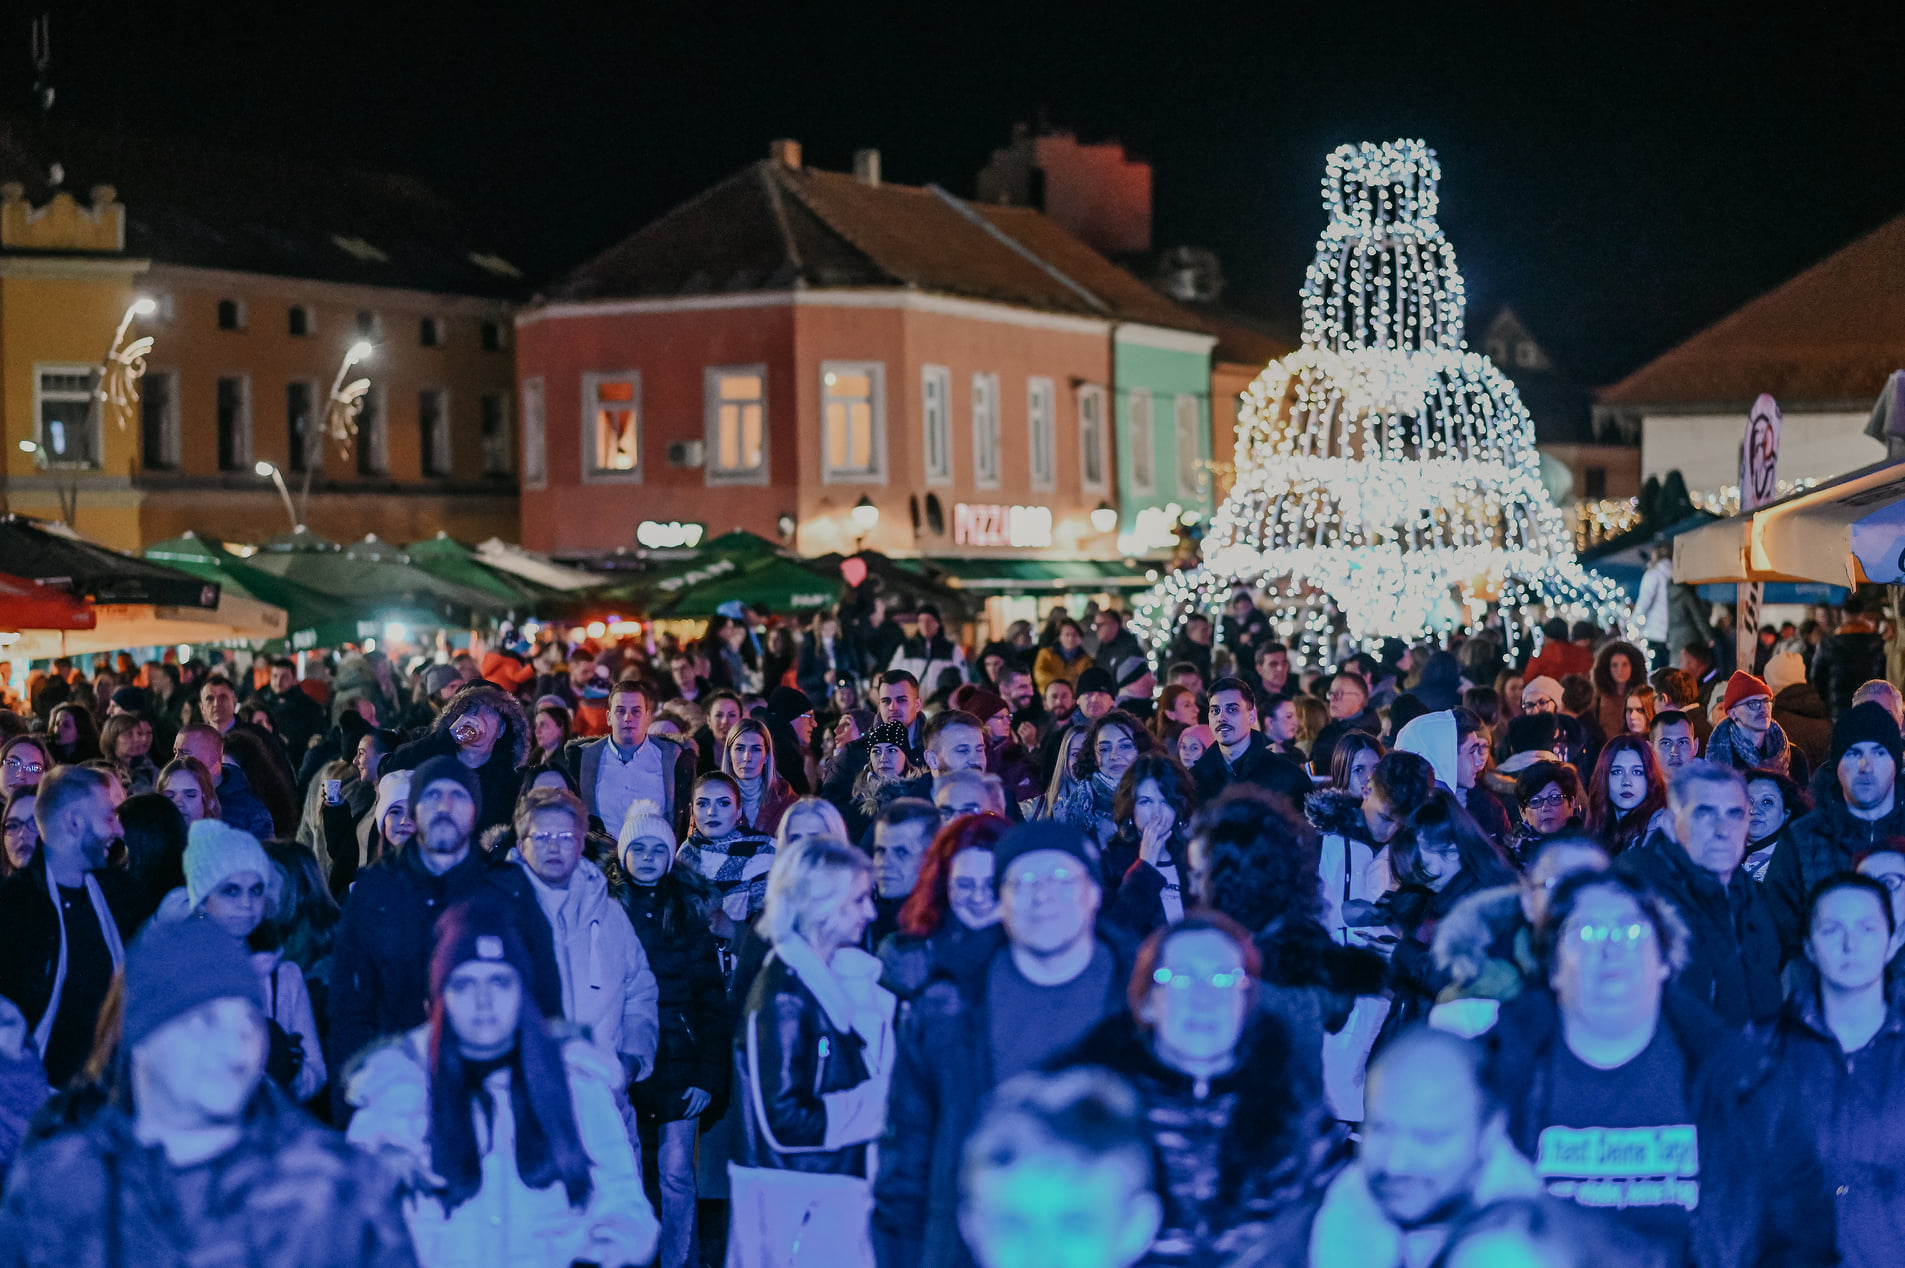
[1039, 402]
[231, 314]
[985, 430]
[1189, 451]
[234, 423]
[373, 435]
[736, 403]
[1143, 454]
[1594, 482]
[535, 456]
[159, 421]
[936, 412]
[612, 426]
[496, 451]
[433, 424]
[301, 424]
[1091, 437]
[368, 325]
[495, 336]
[300, 321]
[853, 421]
[431, 332]
[69, 429]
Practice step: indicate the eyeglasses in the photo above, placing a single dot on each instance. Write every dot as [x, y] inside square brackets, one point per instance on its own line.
[1551, 801]
[554, 838]
[1057, 878]
[1758, 704]
[24, 767]
[17, 825]
[970, 887]
[1185, 981]
[1609, 935]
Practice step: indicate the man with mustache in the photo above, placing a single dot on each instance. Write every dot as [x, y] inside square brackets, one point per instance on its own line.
[380, 969]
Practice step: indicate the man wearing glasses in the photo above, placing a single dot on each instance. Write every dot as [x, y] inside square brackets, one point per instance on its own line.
[1748, 738]
[607, 987]
[1615, 1089]
[1016, 995]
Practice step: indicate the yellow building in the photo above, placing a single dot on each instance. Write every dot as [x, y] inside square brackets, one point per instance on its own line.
[253, 278]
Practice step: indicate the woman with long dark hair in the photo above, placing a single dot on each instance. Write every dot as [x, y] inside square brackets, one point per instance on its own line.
[1114, 742]
[1624, 794]
[953, 898]
[1147, 863]
[24, 761]
[126, 742]
[72, 735]
[22, 831]
[507, 1138]
[154, 833]
[1619, 669]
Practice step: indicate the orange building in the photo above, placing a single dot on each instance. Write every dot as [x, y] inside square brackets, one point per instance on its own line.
[794, 344]
[253, 278]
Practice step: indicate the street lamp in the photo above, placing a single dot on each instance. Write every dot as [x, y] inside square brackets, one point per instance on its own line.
[1104, 517]
[340, 420]
[270, 469]
[866, 517]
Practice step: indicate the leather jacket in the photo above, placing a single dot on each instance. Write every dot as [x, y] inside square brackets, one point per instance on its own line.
[788, 1056]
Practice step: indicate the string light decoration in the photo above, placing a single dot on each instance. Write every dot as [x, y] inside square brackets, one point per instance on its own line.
[1387, 484]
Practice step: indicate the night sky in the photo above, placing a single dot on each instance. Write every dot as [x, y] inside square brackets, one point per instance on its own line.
[1621, 178]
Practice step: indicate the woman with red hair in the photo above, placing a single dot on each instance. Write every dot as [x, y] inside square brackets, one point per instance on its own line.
[1626, 792]
[953, 899]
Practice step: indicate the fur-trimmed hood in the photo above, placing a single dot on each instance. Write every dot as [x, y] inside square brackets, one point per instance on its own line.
[481, 694]
[1334, 812]
[1471, 940]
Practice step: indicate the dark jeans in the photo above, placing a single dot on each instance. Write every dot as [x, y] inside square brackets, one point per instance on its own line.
[668, 1174]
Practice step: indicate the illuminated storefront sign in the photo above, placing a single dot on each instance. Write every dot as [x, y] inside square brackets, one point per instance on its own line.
[672, 535]
[1020, 526]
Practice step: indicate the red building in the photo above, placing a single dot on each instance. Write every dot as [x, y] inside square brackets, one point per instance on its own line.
[792, 342]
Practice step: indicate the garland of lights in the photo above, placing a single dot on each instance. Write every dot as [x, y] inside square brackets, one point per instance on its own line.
[1386, 477]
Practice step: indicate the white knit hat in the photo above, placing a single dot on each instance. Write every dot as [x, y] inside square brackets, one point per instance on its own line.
[216, 850]
[645, 822]
[393, 790]
[1783, 670]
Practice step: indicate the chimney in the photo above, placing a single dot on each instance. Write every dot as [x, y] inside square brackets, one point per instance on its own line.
[866, 167]
[785, 152]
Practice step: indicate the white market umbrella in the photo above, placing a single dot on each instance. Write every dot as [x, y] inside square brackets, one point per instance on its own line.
[1839, 533]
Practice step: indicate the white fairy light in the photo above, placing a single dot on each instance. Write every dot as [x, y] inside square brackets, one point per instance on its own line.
[1382, 469]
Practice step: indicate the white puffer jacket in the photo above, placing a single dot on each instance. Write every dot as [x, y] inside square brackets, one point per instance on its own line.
[607, 987]
[508, 1224]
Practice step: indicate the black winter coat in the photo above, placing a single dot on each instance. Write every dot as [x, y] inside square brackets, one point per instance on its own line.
[943, 1072]
[1734, 969]
[30, 938]
[693, 1004]
[1134, 890]
[1234, 1153]
[1855, 1105]
[1763, 1196]
[1844, 662]
[500, 779]
[798, 1057]
[1824, 841]
[1257, 766]
[380, 965]
[1801, 714]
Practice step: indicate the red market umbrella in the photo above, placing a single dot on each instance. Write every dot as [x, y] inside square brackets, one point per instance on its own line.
[29, 605]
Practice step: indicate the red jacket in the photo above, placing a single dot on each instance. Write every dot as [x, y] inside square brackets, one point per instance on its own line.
[1558, 660]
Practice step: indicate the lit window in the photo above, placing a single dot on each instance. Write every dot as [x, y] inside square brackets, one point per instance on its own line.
[1189, 451]
[496, 450]
[612, 420]
[936, 398]
[851, 412]
[234, 423]
[1143, 457]
[535, 452]
[737, 424]
[1039, 400]
[433, 425]
[69, 429]
[1091, 438]
[985, 430]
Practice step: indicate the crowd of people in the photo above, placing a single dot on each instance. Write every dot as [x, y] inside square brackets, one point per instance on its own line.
[853, 944]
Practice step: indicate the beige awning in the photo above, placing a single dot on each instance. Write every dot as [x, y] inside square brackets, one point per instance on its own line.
[1839, 533]
[236, 619]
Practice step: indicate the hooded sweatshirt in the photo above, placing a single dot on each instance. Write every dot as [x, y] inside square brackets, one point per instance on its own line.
[1432, 737]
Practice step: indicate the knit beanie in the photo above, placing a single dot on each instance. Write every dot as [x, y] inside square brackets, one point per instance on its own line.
[393, 790]
[1542, 688]
[1783, 670]
[784, 704]
[1043, 834]
[1868, 721]
[1096, 679]
[645, 822]
[437, 677]
[983, 704]
[1742, 687]
[176, 966]
[1130, 669]
[479, 929]
[893, 733]
[444, 767]
[215, 850]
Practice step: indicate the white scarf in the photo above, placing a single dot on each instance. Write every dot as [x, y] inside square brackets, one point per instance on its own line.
[107, 928]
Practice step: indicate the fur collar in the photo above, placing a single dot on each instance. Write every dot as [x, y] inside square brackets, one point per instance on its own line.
[1334, 812]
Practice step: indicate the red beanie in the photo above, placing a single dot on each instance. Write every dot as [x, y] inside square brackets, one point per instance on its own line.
[1741, 687]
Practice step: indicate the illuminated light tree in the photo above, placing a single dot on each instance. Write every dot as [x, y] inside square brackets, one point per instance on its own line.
[1387, 481]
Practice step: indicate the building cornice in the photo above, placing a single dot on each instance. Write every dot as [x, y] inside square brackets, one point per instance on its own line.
[1164, 338]
[344, 294]
[871, 297]
[72, 268]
